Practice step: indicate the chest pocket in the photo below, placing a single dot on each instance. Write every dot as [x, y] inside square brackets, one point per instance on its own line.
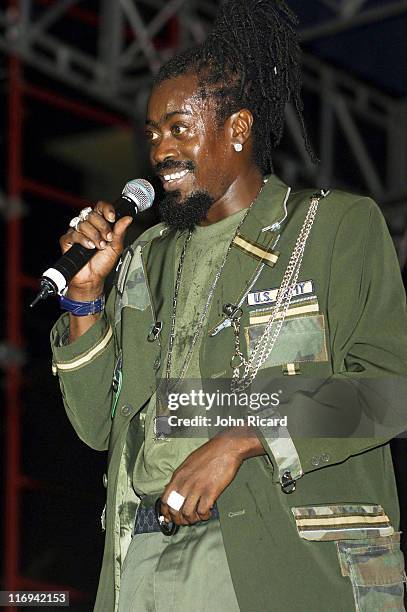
[302, 337]
[131, 283]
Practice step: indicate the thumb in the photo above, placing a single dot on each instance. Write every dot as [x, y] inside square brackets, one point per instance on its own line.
[120, 229]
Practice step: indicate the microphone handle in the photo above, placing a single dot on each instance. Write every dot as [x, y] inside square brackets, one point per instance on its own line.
[78, 256]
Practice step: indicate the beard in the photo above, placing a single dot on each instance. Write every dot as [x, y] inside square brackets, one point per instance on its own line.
[185, 214]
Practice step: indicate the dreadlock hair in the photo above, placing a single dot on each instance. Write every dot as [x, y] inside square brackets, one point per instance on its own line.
[251, 59]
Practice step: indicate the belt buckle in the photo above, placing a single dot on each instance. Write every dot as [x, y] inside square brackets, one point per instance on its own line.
[164, 528]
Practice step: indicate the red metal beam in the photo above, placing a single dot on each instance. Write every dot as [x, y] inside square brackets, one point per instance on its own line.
[77, 108]
[14, 334]
[81, 14]
[52, 193]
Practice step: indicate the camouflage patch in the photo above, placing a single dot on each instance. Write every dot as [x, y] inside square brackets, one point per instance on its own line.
[301, 339]
[134, 285]
[283, 450]
[124, 267]
[376, 571]
[342, 522]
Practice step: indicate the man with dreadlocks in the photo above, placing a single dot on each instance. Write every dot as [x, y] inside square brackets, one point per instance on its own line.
[225, 522]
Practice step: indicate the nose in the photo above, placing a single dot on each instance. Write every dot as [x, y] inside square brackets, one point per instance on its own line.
[164, 150]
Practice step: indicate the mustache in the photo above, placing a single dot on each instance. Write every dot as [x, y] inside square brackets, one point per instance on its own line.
[173, 165]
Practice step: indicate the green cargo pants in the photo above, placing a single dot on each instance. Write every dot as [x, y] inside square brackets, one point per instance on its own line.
[187, 571]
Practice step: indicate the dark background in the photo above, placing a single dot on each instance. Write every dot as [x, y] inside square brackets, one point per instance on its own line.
[60, 497]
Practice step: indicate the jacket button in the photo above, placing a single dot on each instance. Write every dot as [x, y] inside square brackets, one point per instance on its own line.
[157, 364]
[288, 484]
[126, 410]
[315, 461]
[104, 480]
[325, 458]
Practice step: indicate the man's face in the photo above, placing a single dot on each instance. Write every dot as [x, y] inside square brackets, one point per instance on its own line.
[190, 152]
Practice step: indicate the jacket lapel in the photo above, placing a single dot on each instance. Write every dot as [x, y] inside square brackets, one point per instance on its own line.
[158, 257]
[252, 249]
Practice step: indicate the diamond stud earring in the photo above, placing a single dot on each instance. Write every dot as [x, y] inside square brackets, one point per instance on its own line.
[238, 147]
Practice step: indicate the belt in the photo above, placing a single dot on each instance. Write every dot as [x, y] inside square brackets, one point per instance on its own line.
[148, 520]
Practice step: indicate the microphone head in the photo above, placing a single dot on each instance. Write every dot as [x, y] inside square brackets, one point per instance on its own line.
[140, 192]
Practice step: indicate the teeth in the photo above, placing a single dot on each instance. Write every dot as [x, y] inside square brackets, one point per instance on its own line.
[176, 176]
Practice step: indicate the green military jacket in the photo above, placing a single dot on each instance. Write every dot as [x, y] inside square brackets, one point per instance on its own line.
[308, 549]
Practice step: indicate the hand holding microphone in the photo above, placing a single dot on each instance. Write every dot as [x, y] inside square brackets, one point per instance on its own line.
[92, 247]
[104, 238]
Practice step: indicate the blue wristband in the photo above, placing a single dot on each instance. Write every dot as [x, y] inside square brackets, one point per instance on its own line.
[82, 309]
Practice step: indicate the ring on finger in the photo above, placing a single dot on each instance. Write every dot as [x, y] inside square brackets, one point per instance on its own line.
[83, 215]
[75, 222]
[175, 500]
[85, 212]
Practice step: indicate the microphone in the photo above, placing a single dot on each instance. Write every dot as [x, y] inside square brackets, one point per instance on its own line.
[137, 196]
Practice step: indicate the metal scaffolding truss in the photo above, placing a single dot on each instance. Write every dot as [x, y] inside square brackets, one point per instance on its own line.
[347, 14]
[127, 53]
[349, 109]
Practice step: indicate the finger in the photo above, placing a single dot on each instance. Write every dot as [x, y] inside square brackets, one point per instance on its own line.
[165, 511]
[172, 516]
[177, 517]
[106, 210]
[169, 513]
[189, 509]
[73, 237]
[92, 233]
[101, 224]
[204, 508]
[120, 228]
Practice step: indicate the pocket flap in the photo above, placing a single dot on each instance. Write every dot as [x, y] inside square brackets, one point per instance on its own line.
[342, 522]
[372, 562]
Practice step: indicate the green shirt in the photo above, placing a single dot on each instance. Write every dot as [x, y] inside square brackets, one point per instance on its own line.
[158, 458]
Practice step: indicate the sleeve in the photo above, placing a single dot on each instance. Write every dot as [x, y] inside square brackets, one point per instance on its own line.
[85, 370]
[361, 405]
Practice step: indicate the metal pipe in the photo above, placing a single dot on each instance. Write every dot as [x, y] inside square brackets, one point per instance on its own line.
[77, 108]
[13, 326]
[341, 24]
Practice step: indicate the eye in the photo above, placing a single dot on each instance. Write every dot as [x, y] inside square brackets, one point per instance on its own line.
[151, 136]
[178, 129]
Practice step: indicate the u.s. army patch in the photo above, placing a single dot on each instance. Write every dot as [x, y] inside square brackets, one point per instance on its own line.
[269, 296]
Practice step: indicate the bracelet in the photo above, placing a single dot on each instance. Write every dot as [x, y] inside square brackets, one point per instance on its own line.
[82, 309]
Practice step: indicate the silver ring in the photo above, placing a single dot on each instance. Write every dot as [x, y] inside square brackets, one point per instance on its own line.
[175, 500]
[75, 222]
[85, 212]
[83, 215]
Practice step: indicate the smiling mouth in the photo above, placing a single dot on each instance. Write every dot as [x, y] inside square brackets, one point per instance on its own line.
[175, 179]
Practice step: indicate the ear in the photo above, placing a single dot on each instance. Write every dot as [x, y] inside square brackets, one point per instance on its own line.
[241, 125]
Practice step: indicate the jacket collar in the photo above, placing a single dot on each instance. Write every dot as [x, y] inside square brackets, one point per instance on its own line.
[268, 209]
[261, 228]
